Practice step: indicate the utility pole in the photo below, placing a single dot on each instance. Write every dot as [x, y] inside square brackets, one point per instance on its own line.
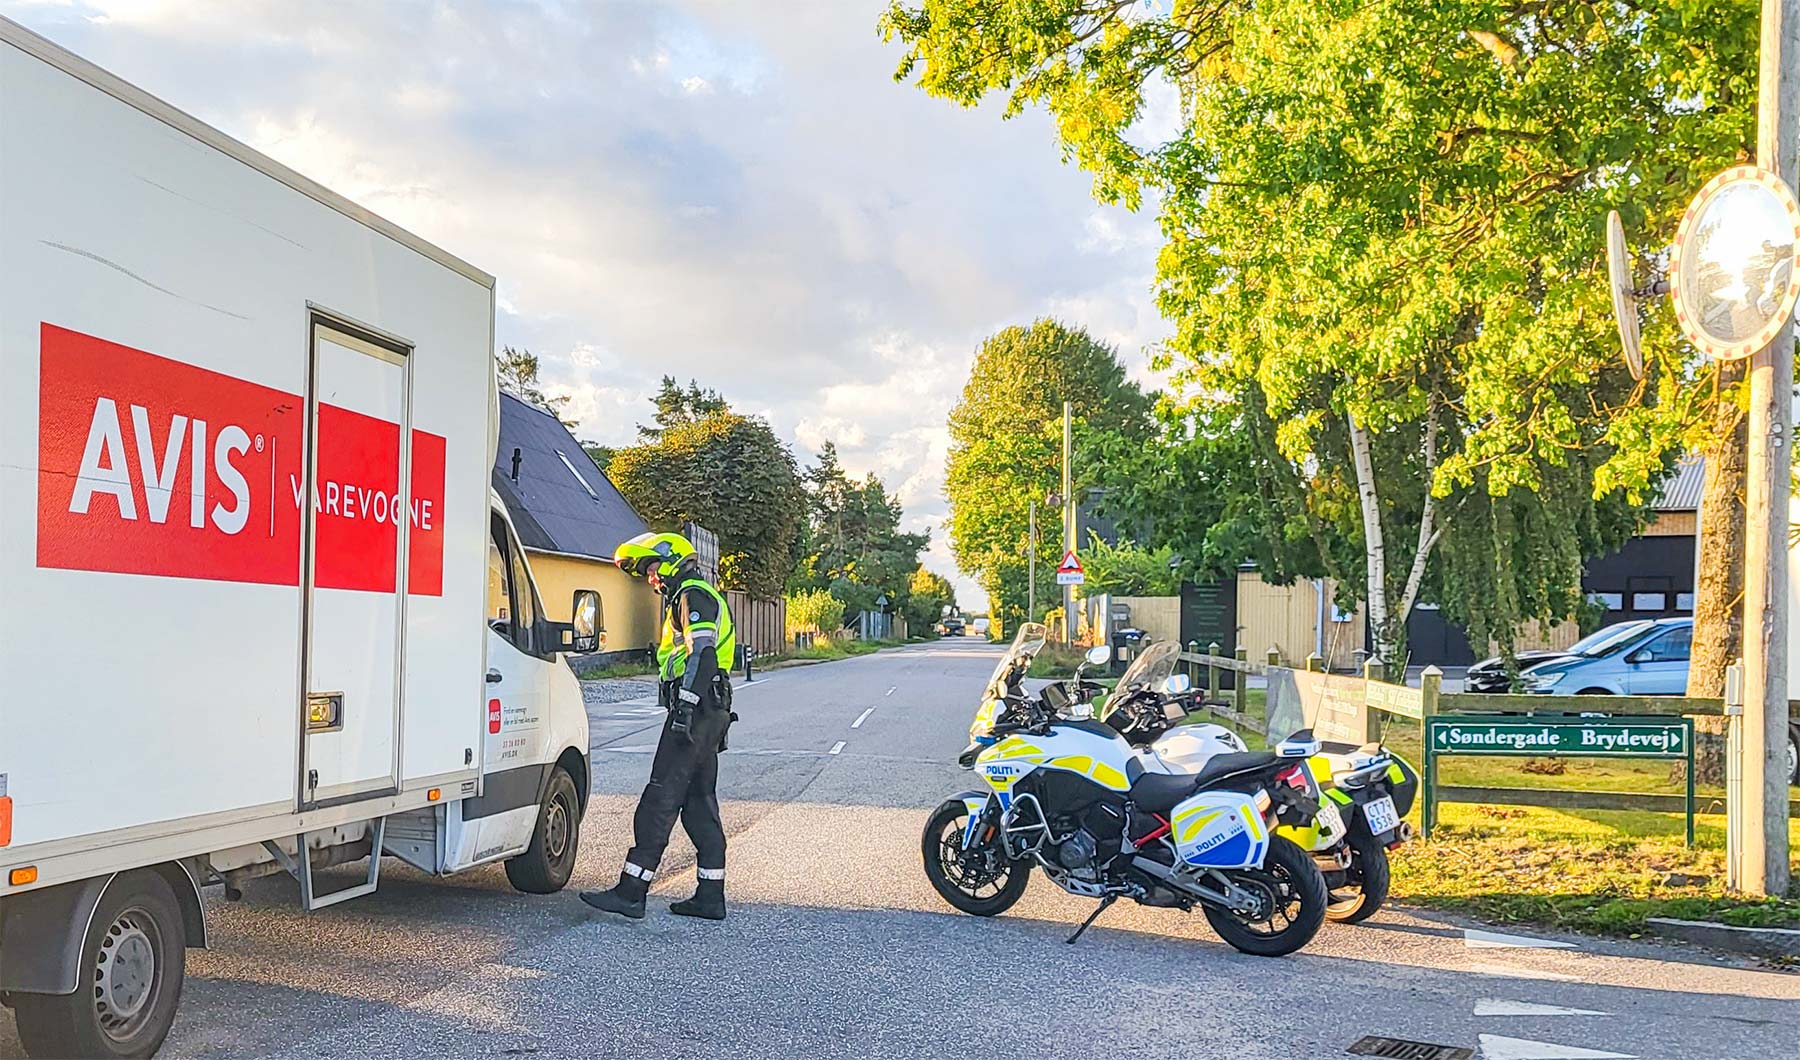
[1763, 867]
[1031, 567]
[1068, 497]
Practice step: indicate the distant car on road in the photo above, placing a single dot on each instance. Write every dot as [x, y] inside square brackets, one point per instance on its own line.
[951, 627]
[978, 627]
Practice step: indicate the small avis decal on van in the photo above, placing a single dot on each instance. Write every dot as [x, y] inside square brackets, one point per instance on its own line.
[147, 465]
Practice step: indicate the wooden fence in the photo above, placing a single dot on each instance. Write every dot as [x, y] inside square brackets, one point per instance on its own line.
[761, 624]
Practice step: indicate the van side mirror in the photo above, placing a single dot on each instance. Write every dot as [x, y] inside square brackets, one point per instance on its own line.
[584, 633]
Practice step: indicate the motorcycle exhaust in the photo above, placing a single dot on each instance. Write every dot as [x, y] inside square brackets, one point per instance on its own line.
[1403, 834]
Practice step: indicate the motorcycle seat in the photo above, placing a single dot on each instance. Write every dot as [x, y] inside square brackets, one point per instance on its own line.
[1160, 792]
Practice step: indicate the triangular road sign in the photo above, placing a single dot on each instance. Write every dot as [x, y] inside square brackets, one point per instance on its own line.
[1071, 564]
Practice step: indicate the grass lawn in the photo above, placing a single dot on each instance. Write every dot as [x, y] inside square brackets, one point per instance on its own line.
[1589, 870]
[825, 650]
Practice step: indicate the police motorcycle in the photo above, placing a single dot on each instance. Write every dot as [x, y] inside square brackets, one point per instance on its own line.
[1366, 791]
[1068, 795]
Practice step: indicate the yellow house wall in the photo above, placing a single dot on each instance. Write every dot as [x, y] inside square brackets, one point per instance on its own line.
[1286, 617]
[627, 605]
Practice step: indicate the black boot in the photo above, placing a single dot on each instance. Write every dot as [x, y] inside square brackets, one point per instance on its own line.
[625, 899]
[708, 902]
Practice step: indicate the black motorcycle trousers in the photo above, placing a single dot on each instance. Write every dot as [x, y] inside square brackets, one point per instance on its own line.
[684, 780]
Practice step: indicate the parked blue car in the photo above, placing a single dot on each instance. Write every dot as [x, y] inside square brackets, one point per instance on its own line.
[1648, 657]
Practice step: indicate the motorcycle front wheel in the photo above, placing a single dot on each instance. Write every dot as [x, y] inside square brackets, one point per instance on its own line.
[1292, 899]
[986, 883]
[1366, 884]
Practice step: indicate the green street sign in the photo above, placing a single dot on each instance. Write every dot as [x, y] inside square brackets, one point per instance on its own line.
[1556, 737]
[1573, 737]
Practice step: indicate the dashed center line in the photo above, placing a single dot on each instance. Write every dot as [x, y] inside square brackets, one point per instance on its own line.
[860, 718]
[836, 747]
[890, 691]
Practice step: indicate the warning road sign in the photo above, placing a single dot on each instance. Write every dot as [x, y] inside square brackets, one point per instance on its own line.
[1069, 571]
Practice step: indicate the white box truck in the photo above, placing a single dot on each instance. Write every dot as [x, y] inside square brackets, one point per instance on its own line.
[223, 391]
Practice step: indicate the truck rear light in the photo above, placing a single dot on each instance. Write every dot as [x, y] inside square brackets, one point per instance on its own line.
[21, 877]
[5, 815]
[434, 794]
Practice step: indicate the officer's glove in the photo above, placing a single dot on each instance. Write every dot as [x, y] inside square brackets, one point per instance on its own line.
[681, 721]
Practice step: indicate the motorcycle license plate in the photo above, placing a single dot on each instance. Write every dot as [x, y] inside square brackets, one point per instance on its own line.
[1381, 815]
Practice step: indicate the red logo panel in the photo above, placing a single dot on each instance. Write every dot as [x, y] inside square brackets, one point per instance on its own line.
[147, 465]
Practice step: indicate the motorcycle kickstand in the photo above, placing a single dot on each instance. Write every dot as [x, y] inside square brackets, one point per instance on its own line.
[1085, 924]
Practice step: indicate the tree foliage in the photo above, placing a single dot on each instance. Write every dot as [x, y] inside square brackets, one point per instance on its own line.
[853, 543]
[1006, 450]
[730, 474]
[928, 595]
[1383, 249]
[518, 372]
[676, 405]
[1126, 569]
[814, 611]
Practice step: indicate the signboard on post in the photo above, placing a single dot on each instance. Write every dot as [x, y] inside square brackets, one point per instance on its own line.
[1557, 737]
[1069, 571]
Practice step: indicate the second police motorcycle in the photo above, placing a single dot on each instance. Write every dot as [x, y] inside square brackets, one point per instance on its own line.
[1367, 789]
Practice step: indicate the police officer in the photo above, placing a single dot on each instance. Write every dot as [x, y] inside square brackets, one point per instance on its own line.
[696, 650]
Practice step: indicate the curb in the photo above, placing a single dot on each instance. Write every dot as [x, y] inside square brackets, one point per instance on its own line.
[1761, 941]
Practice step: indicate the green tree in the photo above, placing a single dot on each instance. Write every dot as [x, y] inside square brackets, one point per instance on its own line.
[676, 405]
[1383, 262]
[518, 372]
[853, 542]
[928, 595]
[730, 474]
[1126, 569]
[1006, 450]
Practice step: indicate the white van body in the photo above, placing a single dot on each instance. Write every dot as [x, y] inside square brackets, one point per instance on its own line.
[204, 670]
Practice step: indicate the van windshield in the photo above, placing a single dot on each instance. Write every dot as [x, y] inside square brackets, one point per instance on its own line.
[1604, 642]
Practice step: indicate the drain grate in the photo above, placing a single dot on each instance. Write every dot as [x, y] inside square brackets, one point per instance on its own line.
[1401, 1049]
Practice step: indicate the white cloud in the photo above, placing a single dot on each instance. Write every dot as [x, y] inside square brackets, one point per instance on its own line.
[816, 242]
[696, 86]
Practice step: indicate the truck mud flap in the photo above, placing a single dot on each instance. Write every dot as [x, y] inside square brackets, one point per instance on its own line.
[41, 932]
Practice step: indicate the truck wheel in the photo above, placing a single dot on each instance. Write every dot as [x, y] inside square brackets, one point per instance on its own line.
[545, 866]
[131, 969]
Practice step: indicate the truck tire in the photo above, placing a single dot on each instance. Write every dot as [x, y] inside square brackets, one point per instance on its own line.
[545, 866]
[130, 981]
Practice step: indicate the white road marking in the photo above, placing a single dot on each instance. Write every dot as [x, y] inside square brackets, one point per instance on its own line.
[1494, 1006]
[890, 691]
[1491, 940]
[860, 718]
[633, 749]
[1511, 971]
[836, 747]
[1495, 1047]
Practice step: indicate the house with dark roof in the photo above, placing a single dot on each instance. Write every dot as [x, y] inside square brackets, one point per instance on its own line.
[570, 519]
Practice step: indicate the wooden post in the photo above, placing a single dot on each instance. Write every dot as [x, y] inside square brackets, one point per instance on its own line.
[1273, 657]
[1373, 672]
[1315, 663]
[1431, 686]
[1240, 682]
[1764, 856]
[1212, 673]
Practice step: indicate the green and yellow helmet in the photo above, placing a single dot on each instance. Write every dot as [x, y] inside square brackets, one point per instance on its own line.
[662, 553]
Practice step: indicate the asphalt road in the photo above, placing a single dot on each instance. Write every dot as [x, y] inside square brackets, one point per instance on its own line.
[837, 947]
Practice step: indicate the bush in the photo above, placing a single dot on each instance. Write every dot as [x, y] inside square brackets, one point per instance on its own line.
[814, 611]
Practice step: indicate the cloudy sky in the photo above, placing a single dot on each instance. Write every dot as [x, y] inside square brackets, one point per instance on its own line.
[727, 190]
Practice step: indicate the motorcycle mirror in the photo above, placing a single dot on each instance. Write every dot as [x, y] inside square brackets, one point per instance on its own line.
[1300, 745]
[1176, 684]
[1099, 655]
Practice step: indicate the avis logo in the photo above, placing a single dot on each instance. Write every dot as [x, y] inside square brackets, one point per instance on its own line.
[105, 468]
